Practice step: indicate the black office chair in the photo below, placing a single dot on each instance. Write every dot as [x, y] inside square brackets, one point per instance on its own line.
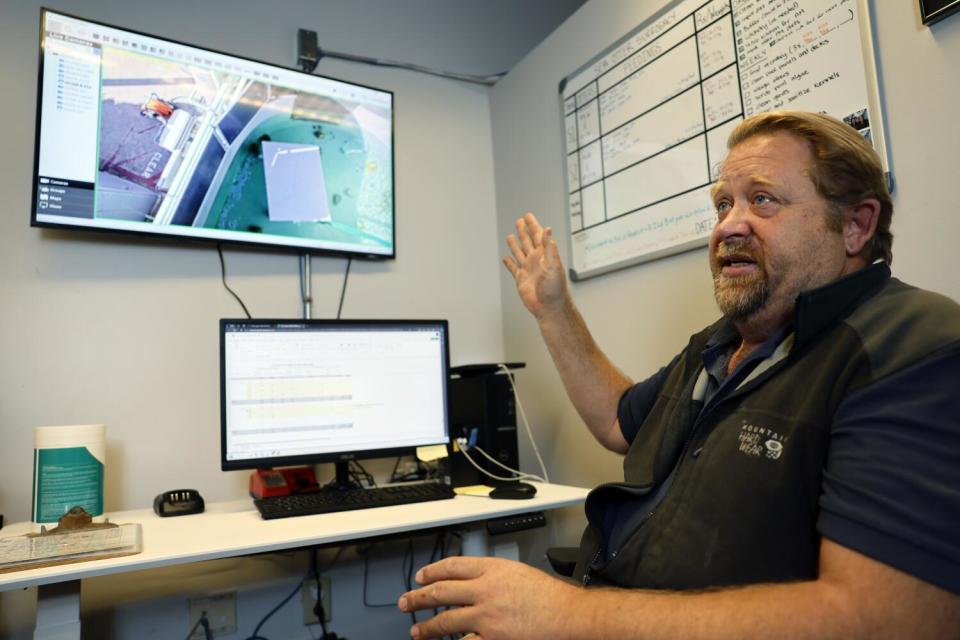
[563, 560]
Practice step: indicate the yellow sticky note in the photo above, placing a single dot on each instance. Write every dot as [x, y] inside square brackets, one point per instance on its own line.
[474, 490]
[434, 452]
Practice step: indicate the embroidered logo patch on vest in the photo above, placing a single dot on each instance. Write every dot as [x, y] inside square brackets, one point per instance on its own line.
[760, 442]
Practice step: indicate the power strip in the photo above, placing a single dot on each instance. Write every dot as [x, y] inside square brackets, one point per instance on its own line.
[518, 522]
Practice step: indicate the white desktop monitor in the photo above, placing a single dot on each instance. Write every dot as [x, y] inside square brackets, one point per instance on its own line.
[311, 391]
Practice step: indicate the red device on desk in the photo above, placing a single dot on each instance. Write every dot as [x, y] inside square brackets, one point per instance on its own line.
[270, 483]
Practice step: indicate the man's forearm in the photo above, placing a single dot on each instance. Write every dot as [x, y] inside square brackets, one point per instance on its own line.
[592, 382]
[877, 606]
[795, 611]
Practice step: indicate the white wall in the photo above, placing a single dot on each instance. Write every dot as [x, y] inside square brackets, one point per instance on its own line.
[124, 331]
[643, 315]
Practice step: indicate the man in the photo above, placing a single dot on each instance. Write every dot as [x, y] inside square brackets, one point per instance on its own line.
[795, 471]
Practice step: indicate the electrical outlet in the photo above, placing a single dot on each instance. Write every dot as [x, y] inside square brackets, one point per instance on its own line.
[309, 592]
[221, 611]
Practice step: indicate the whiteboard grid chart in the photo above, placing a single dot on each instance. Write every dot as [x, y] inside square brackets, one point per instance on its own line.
[646, 121]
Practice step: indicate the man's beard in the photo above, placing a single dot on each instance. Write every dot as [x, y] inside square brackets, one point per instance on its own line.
[739, 297]
[742, 296]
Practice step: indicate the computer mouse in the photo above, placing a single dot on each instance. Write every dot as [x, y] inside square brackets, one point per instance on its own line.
[513, 491]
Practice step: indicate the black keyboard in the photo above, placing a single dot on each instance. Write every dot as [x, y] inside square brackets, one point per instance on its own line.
[332, 500]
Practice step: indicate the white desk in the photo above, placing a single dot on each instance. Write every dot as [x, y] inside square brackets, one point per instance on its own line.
[228, 529]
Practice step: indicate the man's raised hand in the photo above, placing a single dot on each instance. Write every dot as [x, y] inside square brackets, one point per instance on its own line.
[536, 266]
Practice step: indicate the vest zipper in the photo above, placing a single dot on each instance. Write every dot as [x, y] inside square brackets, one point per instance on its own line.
[613, 554]
[586, 570]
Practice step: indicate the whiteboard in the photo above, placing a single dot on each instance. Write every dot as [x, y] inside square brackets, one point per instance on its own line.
[646, 121]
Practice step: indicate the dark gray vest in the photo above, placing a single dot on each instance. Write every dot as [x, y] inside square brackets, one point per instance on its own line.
[743, 504]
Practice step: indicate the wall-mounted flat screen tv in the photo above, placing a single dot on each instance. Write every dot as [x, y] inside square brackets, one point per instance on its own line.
[145, 135]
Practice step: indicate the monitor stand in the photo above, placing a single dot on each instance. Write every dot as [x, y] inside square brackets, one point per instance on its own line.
[342, 480]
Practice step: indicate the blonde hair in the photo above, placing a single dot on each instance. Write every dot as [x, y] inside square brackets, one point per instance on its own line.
[845, 171]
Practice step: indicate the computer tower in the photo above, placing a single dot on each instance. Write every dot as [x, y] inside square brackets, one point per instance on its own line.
[483, 410]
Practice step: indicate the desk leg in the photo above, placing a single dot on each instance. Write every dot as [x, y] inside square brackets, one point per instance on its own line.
[58, 611]
[476, 543]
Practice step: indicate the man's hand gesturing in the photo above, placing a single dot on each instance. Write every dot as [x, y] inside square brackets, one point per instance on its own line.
[536, 266]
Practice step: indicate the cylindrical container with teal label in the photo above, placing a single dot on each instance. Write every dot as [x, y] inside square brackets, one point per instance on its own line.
[68, 470]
